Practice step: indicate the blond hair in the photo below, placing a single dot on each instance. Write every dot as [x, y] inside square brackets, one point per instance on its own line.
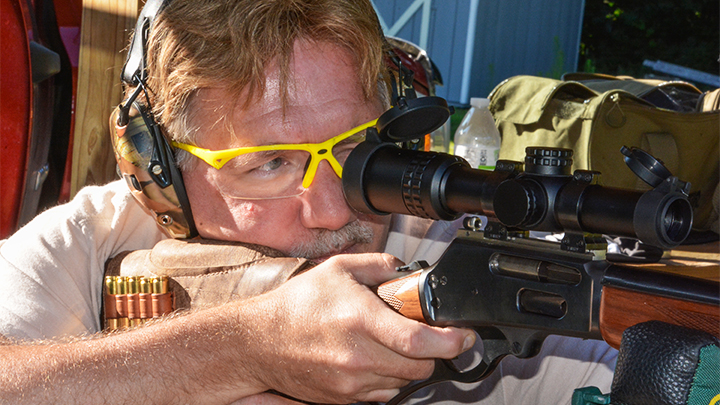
[197, 44]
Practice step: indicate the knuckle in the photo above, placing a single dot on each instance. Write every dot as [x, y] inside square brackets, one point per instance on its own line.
[335, 262]
[348, 388]
[357, 363]
[389, 260]
[412, 342]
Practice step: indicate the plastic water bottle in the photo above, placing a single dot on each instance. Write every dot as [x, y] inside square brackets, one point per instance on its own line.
[477, 139]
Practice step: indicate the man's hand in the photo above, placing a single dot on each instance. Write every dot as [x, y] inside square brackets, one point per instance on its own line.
[326, 337]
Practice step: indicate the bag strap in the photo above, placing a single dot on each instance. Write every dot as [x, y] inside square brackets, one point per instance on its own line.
[709, 101]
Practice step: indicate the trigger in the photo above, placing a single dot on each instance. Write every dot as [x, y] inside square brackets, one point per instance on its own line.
[413, 266]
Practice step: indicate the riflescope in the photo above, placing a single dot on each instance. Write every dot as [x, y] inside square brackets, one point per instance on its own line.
[382, 178]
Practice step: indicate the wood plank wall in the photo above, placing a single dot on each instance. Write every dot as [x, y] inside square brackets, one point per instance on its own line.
[106, 27]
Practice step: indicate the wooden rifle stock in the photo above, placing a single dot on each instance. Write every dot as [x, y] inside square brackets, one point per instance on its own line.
[403, 295]
[678, 300]
[621, 308]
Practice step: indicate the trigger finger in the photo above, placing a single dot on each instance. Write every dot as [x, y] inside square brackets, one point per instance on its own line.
[383, 395]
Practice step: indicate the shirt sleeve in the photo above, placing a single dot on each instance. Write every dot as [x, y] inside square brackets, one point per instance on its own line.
[51, 270]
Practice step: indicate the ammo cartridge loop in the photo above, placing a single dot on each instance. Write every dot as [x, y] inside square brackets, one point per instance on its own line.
[131, 301]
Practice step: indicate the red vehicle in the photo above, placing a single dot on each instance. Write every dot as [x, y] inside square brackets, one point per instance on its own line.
[40, 43]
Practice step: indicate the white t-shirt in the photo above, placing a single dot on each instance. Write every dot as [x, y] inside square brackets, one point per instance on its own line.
[51, 270]
[51, 285]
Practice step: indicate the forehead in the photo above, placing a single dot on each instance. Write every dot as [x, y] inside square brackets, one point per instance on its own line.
[324, 99]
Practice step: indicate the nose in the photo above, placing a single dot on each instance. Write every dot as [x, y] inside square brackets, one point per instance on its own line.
[324, 204]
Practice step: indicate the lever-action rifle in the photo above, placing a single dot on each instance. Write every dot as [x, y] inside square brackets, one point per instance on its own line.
[514, 290]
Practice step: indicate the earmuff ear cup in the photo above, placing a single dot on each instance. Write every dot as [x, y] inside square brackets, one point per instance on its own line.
[146, 162]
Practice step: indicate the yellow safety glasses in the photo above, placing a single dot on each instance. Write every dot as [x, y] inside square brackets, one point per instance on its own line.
[276, 171]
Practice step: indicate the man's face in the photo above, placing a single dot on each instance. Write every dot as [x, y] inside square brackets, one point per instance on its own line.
[324, 100]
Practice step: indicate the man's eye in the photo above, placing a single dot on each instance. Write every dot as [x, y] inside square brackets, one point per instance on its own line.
[271, 165]
[278, 164]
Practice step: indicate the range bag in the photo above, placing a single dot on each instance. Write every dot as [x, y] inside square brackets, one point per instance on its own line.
[595, 115]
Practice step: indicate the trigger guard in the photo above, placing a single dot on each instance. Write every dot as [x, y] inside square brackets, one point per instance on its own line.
[445, 370]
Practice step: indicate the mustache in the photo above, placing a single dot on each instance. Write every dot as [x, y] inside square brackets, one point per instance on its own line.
[327, 242]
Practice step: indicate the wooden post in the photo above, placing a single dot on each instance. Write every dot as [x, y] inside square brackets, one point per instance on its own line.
[106, 27]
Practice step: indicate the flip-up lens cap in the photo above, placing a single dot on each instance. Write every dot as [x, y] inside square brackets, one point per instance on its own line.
[413, 118]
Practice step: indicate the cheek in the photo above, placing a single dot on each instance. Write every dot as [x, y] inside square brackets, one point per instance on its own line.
[212, 214]
[381, 226]
[218, 217]
[244, 215]
[267, 223]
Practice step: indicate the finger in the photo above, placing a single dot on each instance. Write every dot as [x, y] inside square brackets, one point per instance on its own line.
[266, 399]
[385, 389]
[404, 370]
[369, 269]
[405, 336]
[420, 341]
[382, 395]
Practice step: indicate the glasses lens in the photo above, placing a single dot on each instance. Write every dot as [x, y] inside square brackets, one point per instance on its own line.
[342, 149]
[277, 173]
[268, 174]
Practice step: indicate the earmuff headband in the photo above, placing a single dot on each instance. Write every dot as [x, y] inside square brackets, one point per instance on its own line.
[135, 69]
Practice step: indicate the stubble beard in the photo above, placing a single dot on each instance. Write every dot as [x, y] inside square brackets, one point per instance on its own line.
[329, 242]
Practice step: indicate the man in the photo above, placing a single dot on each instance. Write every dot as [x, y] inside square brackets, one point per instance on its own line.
[225, 75]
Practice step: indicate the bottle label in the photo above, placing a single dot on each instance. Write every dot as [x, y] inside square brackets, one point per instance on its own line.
[461, 150]
[488, 158]
[479, 158]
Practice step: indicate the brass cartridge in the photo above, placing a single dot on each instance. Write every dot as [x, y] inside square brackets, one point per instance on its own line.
[121, 302]
[161, 299]
[133, 294]
[111, 315]
[145, 298]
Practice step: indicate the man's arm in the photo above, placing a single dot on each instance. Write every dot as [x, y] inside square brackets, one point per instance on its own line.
[323, 337]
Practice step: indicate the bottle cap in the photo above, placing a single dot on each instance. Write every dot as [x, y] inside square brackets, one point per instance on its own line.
[478, 102]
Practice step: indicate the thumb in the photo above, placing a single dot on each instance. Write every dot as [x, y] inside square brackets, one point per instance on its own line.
[369, 269]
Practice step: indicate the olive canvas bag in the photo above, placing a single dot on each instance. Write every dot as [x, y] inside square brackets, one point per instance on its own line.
[595, 115]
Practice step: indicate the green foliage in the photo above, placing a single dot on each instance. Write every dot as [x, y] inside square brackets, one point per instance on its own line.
[558, 66]
[618, 35]
[455, 120]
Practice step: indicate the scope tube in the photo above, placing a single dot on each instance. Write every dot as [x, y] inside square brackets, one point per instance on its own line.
[382, 179]
[597, 209]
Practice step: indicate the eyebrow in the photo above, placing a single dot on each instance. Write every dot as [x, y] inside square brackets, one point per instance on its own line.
[354, 136]
[244, 158]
